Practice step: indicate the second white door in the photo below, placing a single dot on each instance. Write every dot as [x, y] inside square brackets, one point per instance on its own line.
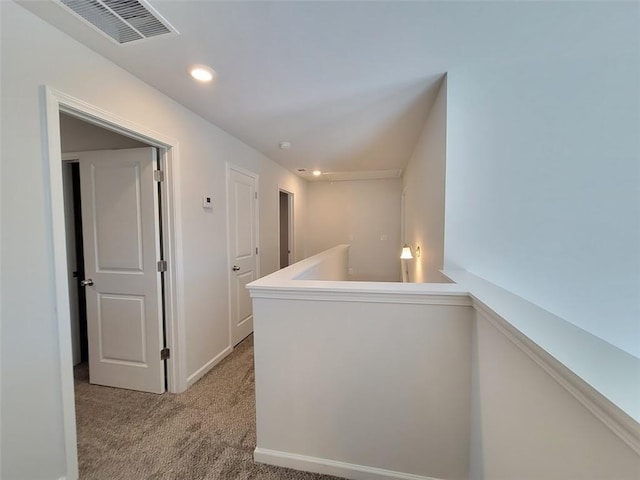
[243, 249]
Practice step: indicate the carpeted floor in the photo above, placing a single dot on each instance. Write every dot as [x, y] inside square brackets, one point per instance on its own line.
[208, 432]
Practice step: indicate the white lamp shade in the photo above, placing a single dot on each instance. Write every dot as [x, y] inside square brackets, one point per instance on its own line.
[406, 253]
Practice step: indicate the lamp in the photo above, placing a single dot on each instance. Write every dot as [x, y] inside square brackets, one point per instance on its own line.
[406, 253]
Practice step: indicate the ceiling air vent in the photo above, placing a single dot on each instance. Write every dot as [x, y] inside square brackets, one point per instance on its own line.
[124, 21]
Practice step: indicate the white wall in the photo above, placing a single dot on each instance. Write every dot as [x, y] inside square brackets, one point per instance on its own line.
[32, 430]
[467, 358]
[525, 425]
[423, 188]
[400, 401]
[272, 179]
[375, 376]
[79, 136]
[332, 264]
[359, 213]
[543, 159]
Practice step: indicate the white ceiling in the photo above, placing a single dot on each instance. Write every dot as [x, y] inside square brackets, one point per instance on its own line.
[349, 84]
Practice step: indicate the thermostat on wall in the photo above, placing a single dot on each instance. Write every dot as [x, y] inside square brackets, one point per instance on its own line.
[207, 201]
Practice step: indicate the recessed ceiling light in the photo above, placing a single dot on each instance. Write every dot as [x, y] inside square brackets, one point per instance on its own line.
[285, 145]
[202, 73]
[317, 173]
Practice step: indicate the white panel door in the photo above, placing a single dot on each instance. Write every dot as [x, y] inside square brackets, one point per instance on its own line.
[243, 250]
[121, 244]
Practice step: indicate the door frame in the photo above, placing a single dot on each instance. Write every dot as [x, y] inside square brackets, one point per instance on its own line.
[290, 220]
[256, 220]
[54, 102]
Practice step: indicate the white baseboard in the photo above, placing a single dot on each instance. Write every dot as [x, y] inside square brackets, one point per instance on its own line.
[330, 467]
[198, 374]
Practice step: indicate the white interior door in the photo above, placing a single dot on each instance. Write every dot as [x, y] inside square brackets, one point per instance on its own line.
[122, 246]
[243, 249]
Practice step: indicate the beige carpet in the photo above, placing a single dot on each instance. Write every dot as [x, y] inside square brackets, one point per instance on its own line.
[208, 432]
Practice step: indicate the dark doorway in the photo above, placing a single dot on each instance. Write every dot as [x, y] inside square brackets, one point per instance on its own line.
[286, 228]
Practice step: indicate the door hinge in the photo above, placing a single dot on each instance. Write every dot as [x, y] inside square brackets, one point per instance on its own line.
[165, 354]
[158, 175]
[162, 265]
[256, 195]
[256, 250]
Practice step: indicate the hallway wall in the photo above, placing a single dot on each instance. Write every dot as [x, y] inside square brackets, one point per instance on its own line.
[542, 176]
[423, 189]
[31, 404]
[364, 214]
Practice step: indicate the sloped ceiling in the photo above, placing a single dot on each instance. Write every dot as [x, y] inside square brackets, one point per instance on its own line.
[349, 84]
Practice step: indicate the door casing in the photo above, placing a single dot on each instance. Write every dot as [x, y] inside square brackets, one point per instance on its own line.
[54, 102]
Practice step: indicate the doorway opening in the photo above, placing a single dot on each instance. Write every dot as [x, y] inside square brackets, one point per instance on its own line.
[75, 262]
[114, 248]
[75, 136]
[286, 228]
[54, 104]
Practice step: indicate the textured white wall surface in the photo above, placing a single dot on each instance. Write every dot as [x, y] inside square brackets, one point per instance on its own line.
[423, 189]
[332, 264]
[526, 426]
[398, 402]
[32, 429]
[543, 160]
[447, 381]
[78, 136]
[366, 215]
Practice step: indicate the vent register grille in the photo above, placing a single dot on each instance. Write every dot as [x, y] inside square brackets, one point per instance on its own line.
[124, 21]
